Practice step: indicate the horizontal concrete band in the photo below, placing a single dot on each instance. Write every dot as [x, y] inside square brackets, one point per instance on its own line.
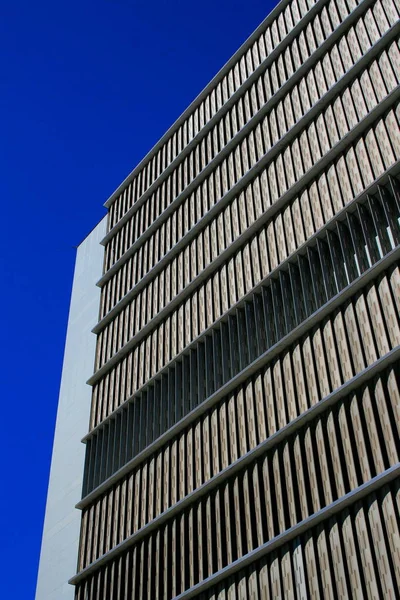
[230, 195]
[223, 257]
[268, 61]
[241, 377]
[280, 7]
[325, 513]
[258, 117]
[219, 479]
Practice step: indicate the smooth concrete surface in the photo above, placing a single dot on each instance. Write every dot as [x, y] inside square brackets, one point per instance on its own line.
[58, 557]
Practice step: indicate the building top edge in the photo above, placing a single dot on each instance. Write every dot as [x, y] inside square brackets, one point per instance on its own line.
[91, 231]
[197, 100]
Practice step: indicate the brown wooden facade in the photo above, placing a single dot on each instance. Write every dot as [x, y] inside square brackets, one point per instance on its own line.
[244, 432]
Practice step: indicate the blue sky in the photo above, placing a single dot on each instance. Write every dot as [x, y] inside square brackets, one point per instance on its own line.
[86, 89]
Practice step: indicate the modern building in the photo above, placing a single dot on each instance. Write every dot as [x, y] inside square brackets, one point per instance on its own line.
[243, 438]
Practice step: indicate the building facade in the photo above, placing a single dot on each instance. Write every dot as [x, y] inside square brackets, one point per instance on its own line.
[244, 431]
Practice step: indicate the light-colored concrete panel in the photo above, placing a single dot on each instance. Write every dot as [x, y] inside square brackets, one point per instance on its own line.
[60, 540]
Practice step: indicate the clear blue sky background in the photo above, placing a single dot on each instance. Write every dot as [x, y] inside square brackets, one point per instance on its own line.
[86, 89]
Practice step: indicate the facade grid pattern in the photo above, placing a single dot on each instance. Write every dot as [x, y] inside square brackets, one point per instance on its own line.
[244, 431]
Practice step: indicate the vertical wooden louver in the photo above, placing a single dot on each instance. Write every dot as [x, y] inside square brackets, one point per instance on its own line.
[244, 433]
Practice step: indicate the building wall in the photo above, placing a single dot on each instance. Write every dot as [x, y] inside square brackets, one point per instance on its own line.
[244, 421]
[62, 521]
